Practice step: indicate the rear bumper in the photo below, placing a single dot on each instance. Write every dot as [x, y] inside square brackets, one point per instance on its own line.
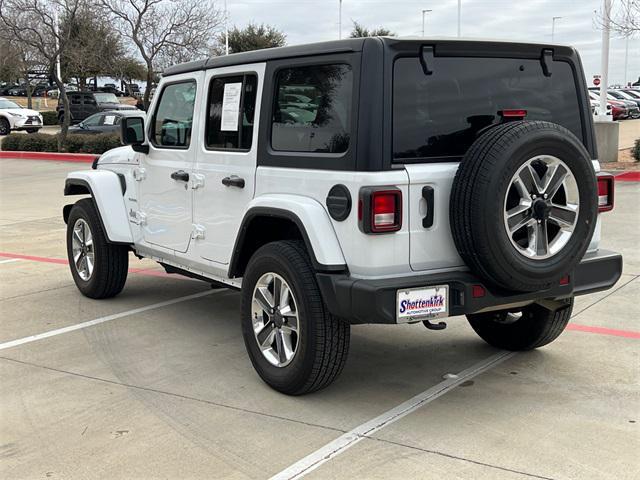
[374, 301]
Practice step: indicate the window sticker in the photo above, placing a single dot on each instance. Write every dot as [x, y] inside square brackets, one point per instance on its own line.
[109, 119]
[231, 107]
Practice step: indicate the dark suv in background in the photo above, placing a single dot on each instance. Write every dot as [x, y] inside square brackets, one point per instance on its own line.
[84, 104]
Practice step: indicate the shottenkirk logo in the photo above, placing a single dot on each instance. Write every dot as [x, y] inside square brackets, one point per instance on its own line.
[434, 301]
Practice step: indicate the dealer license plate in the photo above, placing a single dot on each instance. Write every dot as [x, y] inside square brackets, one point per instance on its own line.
[422, 303]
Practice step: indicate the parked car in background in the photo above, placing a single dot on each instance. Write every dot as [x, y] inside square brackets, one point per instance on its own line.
[18, 91]
[84, 104]
[103, 122]
[623, 95]
[110, 88]
[133, 90]
[630, 107]
[15, 117]
[4, 90]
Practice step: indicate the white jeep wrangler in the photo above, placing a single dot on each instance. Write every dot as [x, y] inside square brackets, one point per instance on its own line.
[367, 180]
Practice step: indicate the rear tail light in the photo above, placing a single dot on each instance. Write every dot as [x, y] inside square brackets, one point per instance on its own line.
[605, 192]
[513, 113]
[380, 209]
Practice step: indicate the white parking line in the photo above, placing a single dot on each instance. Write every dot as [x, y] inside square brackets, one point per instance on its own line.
[90, 323]
[349, 439]
[10, 260]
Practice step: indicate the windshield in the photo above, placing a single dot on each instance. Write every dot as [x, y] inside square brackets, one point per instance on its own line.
[106, 98]
[441, 115]
[8, 105]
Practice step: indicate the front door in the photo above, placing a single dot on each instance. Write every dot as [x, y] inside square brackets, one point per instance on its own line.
[227, 161]
[165, 196]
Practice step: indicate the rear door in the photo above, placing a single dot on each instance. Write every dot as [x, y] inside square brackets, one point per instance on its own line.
[436, 118]
[226, 162]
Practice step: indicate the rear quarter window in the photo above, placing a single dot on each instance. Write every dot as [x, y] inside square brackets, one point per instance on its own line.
[440, 115]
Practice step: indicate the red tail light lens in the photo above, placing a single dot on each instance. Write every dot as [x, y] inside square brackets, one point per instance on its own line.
[606, 184]
[381, 210]
[513, 113]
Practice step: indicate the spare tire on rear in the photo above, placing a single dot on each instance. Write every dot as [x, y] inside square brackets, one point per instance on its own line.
[523, 205]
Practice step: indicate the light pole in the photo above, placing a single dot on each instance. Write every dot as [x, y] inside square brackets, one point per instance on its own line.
[553, 27]
[604, 61]
[340, 21]
[423, 12]
[459, 14]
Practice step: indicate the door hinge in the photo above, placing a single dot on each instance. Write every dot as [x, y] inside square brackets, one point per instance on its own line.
[197, 181]
[197, 232]
[138, 217]
[139, 174]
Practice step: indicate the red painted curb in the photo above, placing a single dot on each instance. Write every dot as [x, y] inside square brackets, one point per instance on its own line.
[628, 177]
[50, 156]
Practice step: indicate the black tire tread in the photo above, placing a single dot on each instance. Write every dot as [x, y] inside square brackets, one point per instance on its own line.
[111, 260]
[478, 166]
[537, 327]
[332, 335]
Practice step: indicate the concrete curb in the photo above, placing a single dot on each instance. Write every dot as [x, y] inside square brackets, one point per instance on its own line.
[50, 156]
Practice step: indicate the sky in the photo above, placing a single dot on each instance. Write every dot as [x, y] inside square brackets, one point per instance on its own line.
[306, 21]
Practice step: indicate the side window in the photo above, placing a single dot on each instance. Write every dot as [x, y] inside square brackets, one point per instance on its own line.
[75, 100]
[173, 118]
[232, 105]
[312, 111]
[93, 120]
[88, 100]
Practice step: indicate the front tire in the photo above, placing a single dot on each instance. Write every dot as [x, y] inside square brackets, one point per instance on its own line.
[533, 327]
[5, 127]
[294, 343]
[99, 268]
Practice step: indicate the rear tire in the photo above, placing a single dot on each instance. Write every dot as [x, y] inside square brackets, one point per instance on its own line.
[320, 342]
[537, 326]
[32, 130]
[101, 269]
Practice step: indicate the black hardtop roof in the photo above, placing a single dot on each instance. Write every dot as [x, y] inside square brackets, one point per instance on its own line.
[472, 47]
[255, 56]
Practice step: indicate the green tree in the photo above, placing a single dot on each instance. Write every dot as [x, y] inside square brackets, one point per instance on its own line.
[94, 47]
[251, 37]
[362, 31]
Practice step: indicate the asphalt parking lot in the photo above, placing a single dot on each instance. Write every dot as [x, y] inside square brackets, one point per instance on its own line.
[158, 384]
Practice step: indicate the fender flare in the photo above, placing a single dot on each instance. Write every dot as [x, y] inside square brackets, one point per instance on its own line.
[107, 189]
[312, 221]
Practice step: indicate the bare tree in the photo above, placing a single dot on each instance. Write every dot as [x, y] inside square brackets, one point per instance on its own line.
[624, 19]
[165, 31]
[35, 24]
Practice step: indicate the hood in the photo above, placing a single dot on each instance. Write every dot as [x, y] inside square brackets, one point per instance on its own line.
[25, 112]
[117, 106]
[123, 154]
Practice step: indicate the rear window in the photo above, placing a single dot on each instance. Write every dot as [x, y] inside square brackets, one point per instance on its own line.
[440, 115]
[312, 111]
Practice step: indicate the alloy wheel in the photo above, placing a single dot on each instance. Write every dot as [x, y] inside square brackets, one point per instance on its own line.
[274, 314]
[82, 248]
[541, 207]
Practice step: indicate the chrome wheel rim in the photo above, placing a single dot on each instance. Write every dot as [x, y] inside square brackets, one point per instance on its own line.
[274, 314]
[541, 207]
[82, 249]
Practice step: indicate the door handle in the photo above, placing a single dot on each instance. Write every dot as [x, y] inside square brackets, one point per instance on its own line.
[233, 181]
[180, 175]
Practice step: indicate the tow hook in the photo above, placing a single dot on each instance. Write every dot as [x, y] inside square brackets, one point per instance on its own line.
[434, 326]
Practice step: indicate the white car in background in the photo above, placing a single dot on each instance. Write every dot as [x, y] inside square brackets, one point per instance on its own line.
[15, 117]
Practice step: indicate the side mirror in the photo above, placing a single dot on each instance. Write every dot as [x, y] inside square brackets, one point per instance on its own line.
[132, 133]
